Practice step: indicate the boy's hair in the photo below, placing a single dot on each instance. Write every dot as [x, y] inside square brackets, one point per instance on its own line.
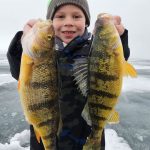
[55, 4]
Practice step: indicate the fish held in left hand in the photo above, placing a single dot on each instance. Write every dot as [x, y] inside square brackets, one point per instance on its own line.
[107, 67]
[38, 83]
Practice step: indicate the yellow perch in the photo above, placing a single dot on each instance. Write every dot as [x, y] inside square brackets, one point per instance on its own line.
[38, 83]
[106, 69]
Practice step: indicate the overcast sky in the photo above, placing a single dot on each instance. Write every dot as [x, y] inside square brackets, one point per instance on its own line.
[134, 13]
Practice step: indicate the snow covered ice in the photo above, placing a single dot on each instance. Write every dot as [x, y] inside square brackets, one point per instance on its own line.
[132, 133]
[19, 141]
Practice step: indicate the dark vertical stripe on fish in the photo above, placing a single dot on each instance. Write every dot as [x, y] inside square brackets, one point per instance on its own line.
[97, 127]
[47, 122]
[100, 54]
[43, 85]
[99, 106]
[98, 117]
[49, 136]
[102, 93]
[103, 76]
[46, 104]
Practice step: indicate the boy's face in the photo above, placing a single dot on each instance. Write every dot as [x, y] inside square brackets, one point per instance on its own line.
[69, 22]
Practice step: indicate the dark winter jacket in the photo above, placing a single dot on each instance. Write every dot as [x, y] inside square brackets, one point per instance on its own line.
[75, 129]
[15, 51]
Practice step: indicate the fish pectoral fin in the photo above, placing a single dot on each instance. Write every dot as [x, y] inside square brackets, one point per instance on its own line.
[114, 118]
[129, 70]
[38, 137]
[26, 70]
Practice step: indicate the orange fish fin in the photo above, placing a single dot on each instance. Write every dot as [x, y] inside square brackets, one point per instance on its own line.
[129, 70]
[114, 118]
[26, 69]
[38, 137]
[27, 59]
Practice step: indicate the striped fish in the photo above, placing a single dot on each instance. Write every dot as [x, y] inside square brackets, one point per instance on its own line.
[38, 83]
[106, 69]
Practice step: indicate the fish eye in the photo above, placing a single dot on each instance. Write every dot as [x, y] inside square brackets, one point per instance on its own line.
[49, 37]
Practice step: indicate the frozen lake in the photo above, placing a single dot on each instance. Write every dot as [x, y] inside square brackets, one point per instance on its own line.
[134, 126]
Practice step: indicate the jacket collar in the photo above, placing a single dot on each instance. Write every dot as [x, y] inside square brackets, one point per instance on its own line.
[74, 44]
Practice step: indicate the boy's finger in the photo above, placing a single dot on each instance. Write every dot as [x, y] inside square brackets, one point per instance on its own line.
[120, 28]
[117, 20]
[28, 26]
[32, 22]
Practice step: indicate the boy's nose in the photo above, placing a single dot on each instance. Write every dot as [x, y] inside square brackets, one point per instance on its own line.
[68, 22]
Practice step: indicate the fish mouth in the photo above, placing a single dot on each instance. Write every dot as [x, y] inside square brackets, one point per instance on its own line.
[104, 18]
[43, 26]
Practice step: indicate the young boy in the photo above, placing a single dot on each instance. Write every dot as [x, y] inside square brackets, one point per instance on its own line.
[70, 21]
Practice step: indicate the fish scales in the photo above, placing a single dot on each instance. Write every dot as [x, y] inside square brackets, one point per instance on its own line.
[99, 78]
[105, 77]
[38, 84]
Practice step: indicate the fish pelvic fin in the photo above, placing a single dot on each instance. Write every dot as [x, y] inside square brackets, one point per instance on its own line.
[18, 86]
[129, 70]
[114, 118]
[38, 137]
[86, 114]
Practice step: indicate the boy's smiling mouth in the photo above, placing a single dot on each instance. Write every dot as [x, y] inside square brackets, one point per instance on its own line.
[69, 34]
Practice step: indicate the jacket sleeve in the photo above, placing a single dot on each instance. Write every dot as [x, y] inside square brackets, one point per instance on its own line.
[14, 55]
[124, 40]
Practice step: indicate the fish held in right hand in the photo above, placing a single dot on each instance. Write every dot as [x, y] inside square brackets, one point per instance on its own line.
[38, 83]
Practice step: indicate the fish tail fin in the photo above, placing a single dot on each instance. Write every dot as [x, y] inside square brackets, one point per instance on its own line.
[38, 137]
[129, 70]
[114, 118]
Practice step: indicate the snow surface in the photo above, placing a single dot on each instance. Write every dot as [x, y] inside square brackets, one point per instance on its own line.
[139, 84]
[21, 141]
[6, 78]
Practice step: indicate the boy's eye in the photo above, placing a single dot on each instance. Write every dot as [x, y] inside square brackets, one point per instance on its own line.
[76, 16]
[59, 16]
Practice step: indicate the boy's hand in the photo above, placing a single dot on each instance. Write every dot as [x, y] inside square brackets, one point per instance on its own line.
[26, 38]
[119, 26]
[28, 26]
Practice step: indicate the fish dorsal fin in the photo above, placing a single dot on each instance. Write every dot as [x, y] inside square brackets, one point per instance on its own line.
[129, 70]
[114, 117]
[80, 72]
